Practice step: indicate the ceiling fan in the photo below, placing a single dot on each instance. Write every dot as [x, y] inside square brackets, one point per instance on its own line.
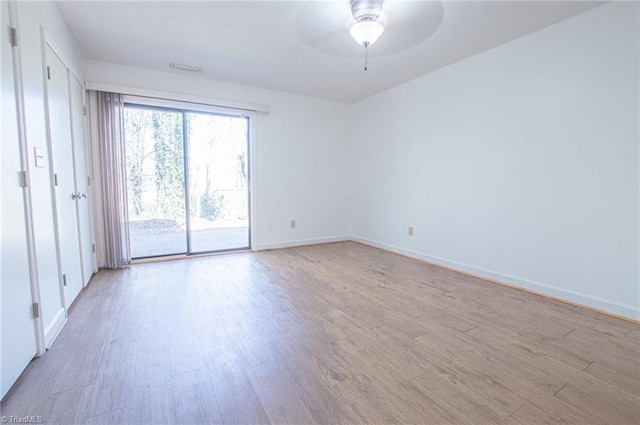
[327, 26]
[367, 28]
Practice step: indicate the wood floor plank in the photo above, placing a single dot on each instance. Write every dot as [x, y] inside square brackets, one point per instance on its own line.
[327, 334]
[633, 335]
[455, 398]
[529, 414]
[539, 347]
[74, 402]
[331, 368]
[237, 401]
[616, 374]
[153, 401]
[279, 395]
[601, 400]
[194, 399]
[118, 416]
[476, 381]
[499, 363]
[360, 400]
[543, 360]
[113, 387]
[596, 347]
[404, 400]
[320, 400]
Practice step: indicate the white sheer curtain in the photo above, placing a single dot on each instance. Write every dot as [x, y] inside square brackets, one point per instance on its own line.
[114, 179]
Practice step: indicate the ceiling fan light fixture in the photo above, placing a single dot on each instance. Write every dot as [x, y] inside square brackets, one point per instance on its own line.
[366, 32]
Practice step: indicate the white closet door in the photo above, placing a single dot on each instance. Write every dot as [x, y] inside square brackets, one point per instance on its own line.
[17, 341]
[82, 180]
[64, 180]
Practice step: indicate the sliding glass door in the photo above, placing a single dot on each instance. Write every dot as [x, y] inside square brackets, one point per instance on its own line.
[155, 181]
[188, 188]
[218, 182]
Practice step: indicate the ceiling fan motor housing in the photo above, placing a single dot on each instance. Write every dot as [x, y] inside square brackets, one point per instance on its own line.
[366, 10]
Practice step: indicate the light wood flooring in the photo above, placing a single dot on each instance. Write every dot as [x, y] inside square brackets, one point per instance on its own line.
[327, 334]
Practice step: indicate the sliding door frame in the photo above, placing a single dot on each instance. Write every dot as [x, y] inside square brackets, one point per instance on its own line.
[185, 139]
[184, 108]
[184, 162]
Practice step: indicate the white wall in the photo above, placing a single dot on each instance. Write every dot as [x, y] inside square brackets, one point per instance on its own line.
[301, 153]
[31, 17]
[520, 164]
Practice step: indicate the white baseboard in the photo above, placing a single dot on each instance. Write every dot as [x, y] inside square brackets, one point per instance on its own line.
[52, 329]
[302, 242]
[571, 297]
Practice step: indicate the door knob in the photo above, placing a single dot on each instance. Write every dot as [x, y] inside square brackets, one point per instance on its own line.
[75, 196]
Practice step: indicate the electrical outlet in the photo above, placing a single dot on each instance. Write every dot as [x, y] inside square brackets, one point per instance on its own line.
[410, 231]
[292, 224]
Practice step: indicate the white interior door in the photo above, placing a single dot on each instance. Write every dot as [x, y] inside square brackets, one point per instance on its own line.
[17, 341]
[82, 180]
[59, 108]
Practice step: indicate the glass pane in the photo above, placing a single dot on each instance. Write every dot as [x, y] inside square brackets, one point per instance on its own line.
[155, 182]
[218, 192]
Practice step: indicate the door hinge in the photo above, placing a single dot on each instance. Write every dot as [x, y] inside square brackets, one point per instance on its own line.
[14, 37]
[35, 308]
[84, 110]
[88, 180]
[93, 248]
[48, 72]
[55, 179]
[25, 179]
[64, 280]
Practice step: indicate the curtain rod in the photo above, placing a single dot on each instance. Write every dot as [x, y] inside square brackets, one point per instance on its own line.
[159, 94]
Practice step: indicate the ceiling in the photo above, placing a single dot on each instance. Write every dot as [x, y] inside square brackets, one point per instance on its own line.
[302, 47]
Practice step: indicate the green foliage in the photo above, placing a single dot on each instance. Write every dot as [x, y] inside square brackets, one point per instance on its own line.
[211, 205]
[154, 158]
[169, 162]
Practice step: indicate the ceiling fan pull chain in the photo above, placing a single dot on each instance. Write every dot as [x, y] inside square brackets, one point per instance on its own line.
[366, 57]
